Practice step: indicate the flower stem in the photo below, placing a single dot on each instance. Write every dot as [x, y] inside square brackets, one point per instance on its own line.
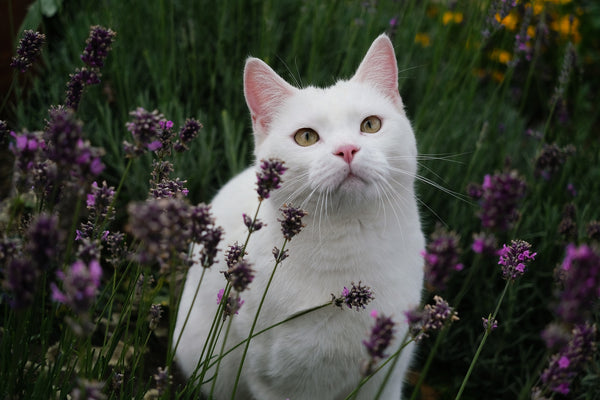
[262, 300]
[480, 348]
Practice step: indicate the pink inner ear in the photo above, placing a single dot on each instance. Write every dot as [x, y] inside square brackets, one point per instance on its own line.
[379, 68]
[265, 92]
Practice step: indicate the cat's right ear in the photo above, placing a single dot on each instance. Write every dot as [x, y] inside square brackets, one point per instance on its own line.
[265, 92]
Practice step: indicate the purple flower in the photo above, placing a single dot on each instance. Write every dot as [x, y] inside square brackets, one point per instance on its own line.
[252, 225]
[80, 285]
[28, 50]
[154, 315]
[164, 228]
[550, 160]
[210, 241]
[240, 275]
[78, 81]
[43, 241]
[20, 279]
[489, 324]
[382, 334]
[269, 177]
[162, 379]
[100, 200]
[514, 259]
[555, 336]
[357, 296]
[88, 390]
[66, 146]
[232, 306]
[484, 243]
[97, 46]
[26, 148]
[433, 317]
[169, 188]
[441, 257]
[593, 230]
[145, 128]
[580, 275]
[188, 132]
[280, 255]
[499, 196]
[565, 365]
[291, 224]
[234, 254]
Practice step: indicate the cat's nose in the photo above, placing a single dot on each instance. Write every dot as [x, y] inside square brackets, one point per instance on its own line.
[347, 152]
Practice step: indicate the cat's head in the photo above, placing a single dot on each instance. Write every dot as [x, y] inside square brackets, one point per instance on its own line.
[345, 144]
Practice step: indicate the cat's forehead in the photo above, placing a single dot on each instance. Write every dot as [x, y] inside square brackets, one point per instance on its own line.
[341, 101]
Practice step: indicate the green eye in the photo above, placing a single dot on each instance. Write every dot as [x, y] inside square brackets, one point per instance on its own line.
[370, 124]
[306, 137]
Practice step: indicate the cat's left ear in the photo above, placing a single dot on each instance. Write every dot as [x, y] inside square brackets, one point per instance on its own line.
[379, 69]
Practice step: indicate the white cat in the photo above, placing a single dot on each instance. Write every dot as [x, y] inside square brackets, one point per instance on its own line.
[351, 158]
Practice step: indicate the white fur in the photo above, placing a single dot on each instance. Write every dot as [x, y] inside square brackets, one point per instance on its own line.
[364, 228]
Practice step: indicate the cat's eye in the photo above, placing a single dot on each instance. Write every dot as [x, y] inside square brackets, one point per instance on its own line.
[306, 137]
[370, 124]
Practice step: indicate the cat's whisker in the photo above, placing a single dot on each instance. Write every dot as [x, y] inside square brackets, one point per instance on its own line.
[456, 195]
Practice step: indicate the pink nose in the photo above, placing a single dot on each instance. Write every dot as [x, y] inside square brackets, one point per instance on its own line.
[347, 152]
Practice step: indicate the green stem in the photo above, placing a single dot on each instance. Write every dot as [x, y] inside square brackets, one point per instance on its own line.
[214, 378]
[290, 318]
[364, 380]
[480, 348]
[262, 300]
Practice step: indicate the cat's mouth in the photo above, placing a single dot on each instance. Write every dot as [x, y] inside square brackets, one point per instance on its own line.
[352, 181]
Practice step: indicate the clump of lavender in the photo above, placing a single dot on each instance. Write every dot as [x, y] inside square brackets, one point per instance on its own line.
[79, 286]
[514, 259]
[433, 317]
[166, 228]
[381, 336]
[580, 278]
[29, 48]
[43, 241]
[569, 61]
[566, 365]
[291, 224]
[550, 159]
[523, 47]
[88, 390]
[441, 257]
[499, 196]
[357, 297]
[269, 177]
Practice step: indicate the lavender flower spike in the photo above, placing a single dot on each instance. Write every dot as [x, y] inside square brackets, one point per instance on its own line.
[291, 224]
[514, 259]
[357, 296]
[269, 177]
[28, 50]
[380, 339]
[80, 285]
[97, 46]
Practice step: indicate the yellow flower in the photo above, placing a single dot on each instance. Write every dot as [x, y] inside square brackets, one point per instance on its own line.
[531, 31]
[423, 39]
[510, 21]
[449, 16]
[501, 56]
[498, 76]
[567, 25]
